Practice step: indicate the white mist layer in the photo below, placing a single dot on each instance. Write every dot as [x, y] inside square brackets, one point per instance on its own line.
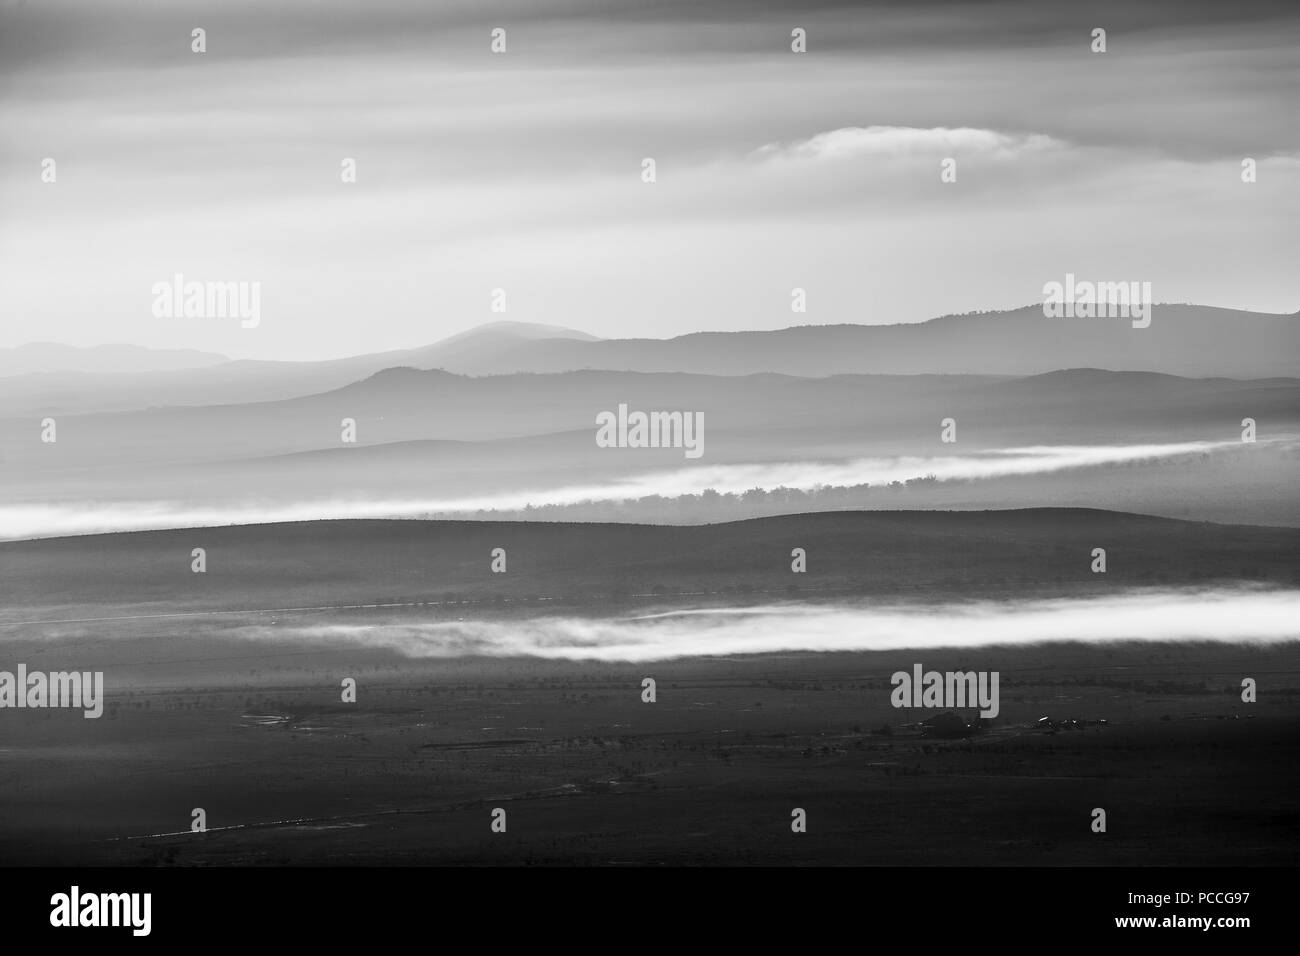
[1221, 616]
[27, 521]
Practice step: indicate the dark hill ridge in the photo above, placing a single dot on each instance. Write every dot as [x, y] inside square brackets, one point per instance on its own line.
[937, 556]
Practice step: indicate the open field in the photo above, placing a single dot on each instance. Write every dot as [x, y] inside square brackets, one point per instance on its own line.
[709, 773]
[209, 706]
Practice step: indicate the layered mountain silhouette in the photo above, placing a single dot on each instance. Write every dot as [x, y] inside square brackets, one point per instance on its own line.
[1183, 340]
[1080, 412]
[1139, 440]
[752, 417]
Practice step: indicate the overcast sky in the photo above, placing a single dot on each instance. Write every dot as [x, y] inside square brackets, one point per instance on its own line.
[522, 170]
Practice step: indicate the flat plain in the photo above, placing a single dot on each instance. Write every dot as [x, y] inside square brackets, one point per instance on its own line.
[207, 707]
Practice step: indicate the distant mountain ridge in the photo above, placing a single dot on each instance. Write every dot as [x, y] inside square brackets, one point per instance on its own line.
[1182, 340]
[1190, 341]
[1147, 441]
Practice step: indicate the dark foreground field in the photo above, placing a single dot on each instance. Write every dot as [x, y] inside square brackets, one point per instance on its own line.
[587, 773]
[254, 732]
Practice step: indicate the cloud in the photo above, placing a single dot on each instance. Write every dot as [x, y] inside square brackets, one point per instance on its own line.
[32, 520]
[1230, 616]
[855, 142]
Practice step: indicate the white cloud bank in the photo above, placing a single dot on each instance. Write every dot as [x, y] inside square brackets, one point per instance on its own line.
[35, 520]
[1223, 616]
[854, 142]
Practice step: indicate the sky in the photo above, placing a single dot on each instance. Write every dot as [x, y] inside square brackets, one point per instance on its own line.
[522, 170]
